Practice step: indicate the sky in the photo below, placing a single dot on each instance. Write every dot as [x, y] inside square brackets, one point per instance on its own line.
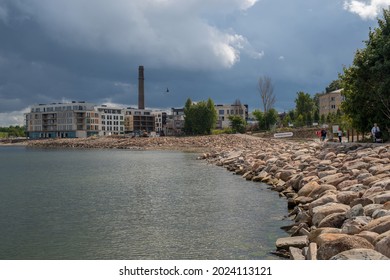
[89, 50]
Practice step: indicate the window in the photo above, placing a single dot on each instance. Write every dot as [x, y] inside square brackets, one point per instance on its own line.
[221, 112]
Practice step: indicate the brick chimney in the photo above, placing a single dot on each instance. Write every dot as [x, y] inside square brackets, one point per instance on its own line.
[141, 93]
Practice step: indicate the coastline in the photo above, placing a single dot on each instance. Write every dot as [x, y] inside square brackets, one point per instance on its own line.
[338, 193]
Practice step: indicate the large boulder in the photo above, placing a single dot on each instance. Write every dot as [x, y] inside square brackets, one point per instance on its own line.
[355, 225]
[334, 179]
[325, 237]
[379, 225]
[371, 208]
[382, 198]
[359, 254]
[295, 241]
[322, 201]
[383, 246]
[334, 220]
[320, 212]
[317, 192]
[346, 197]
[369, 236]
[308, 188]
[333, 247]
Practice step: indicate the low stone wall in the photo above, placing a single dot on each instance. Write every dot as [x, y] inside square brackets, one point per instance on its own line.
[339, 194]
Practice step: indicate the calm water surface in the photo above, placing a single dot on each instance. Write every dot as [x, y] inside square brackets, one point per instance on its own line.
[118, 204]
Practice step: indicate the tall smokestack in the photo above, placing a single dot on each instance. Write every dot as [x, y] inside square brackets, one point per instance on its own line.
[141, 94]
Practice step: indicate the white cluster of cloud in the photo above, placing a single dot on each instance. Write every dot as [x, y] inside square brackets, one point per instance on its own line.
[366, 9]
[13, 118]
[167, 32]
[3, 14]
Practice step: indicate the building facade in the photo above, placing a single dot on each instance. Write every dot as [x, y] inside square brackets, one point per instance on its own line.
[62, 120]
[226, 110]
[112, 120]
[330, 102]
[139, 121]
[80, 120]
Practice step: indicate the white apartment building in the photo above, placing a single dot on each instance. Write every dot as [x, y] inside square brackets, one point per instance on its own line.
[160, 120]
[62, 120]
[112, 120]
[226, 110]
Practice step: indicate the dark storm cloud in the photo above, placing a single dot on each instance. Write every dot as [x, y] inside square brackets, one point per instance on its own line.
[52, 50]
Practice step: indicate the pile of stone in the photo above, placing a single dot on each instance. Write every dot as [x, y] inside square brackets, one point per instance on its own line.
[338, 194]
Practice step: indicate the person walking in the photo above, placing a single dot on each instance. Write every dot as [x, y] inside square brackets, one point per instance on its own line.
[340, 134]
[375, 131]
[323, 135]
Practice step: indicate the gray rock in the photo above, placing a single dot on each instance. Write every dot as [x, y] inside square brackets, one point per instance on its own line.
[355, 211]
[344, 243]
[371, 208]
[379, 225]
[355, 225]
[335, 220]
[296, 254]
[380, 213]
[295, 241]
[359, 254]
[383, 246]
[320, 212]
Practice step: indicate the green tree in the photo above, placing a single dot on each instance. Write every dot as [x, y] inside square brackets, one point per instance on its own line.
[266, 120]
[237, 123]
[200, 118]
[259, 116]
[271, 118]
[188, 117]
[366, 84]
[304, 104]
[334, 85]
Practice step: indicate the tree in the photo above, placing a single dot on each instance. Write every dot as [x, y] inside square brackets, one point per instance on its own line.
[200, 118]
[304, 107]
[266, 120]
[266, 90]
[334, 85]
[366, 84]
[237, 123]
[188, 117]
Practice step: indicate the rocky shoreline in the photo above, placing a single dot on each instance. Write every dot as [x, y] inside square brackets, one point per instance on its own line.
[338, 193]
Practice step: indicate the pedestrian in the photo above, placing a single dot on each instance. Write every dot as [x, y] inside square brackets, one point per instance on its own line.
[323, 134]
[376, 133]
[340, 134]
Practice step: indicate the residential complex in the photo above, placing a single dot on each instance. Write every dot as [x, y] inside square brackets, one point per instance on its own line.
[330, 102]
[79, 119]
[224, 111]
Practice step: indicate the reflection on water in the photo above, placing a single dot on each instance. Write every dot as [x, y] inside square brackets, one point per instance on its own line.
[114, 204]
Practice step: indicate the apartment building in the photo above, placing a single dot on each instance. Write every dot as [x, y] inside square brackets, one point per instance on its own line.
[160, 120]
[226, 110]
[112, 120]
[330, 102]
[62, 120]
[139, 121]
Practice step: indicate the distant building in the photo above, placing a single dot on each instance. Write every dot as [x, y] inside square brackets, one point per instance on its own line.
[224, 111]
[330, 102]
[160, 120]
[175, 122]
[112, 120]
[139, 121]
[62, 120]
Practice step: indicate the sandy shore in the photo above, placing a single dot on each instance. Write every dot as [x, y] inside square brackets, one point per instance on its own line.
[338, 193]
